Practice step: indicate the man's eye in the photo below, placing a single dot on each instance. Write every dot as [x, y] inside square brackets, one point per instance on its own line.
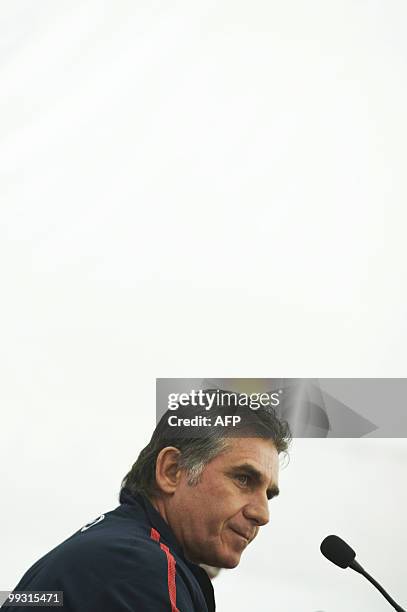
[243, 479]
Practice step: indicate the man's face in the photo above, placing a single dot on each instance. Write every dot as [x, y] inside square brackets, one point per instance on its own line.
[216, 519]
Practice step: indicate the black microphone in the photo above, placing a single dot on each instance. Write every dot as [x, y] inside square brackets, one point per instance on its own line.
[340, 553]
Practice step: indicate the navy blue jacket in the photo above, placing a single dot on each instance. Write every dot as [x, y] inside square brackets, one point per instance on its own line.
[127, 560]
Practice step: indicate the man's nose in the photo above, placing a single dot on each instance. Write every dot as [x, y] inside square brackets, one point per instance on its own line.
[257, 510]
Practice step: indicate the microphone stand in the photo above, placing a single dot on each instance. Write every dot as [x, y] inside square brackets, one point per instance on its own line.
[358, 568]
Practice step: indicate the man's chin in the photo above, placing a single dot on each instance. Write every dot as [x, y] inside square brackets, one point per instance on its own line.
[230, 564]
[225, 561]
[222, 560]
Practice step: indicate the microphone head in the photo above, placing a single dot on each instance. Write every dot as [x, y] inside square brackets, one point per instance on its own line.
[337, 551]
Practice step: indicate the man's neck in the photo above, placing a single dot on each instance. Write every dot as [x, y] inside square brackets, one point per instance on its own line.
[159, 505]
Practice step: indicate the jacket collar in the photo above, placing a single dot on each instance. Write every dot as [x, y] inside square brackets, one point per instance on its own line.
[137, 500]
[154, 517]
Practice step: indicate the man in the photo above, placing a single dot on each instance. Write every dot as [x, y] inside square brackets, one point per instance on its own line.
[192, 497]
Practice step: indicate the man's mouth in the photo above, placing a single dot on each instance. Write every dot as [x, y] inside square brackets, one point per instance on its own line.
[244, 535]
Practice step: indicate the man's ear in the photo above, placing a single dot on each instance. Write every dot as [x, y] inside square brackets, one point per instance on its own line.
[167, 470]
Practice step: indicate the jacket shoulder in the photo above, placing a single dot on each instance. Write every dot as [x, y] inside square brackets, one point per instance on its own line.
[112, 565]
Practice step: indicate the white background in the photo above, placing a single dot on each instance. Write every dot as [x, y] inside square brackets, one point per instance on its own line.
[201, 189]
